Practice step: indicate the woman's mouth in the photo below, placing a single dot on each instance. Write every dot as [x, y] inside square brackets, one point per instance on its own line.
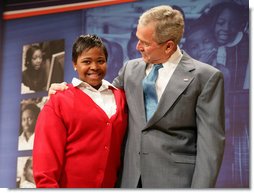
[94, 75]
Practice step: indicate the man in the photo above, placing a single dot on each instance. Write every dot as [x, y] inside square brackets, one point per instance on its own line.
[181, 145]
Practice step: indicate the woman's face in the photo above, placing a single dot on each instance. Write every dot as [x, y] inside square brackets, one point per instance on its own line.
[226, 26]
[200, 43]
[91, 66]
[37, 59]
[28, 121]
[29, 173]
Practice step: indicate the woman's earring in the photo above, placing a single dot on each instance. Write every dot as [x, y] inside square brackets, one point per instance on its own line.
[75, 69]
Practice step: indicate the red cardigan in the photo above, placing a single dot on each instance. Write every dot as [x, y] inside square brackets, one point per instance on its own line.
[76, 144]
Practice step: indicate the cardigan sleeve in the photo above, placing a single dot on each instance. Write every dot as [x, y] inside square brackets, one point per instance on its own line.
[49, 144]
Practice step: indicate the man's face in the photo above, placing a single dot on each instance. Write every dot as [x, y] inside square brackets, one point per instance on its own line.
[150, 50]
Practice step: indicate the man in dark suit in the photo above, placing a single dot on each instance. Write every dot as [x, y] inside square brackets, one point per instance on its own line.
[182, 144]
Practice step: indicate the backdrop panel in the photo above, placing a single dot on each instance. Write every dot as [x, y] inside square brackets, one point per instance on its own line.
[116, 25]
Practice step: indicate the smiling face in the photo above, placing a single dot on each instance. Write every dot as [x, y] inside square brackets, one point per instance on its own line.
[226, 27]
[200, 43]
[91, 66]
[28, 120]
[36, 60]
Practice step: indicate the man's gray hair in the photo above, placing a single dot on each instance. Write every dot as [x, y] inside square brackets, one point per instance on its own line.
[169, 23]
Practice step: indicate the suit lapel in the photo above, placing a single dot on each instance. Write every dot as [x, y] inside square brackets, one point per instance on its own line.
[179, 81]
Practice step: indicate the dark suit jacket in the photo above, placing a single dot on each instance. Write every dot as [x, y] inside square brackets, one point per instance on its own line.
[182, 145]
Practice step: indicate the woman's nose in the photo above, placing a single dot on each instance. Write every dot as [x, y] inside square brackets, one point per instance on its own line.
[94, 66]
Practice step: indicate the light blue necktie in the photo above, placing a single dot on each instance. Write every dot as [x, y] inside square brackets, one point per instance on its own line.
[150, 96]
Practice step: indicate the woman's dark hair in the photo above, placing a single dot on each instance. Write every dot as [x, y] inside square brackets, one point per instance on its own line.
[29, 163]
[35, 110]
[33, 107]
[239, 10]
[29, 54]
[86, 42]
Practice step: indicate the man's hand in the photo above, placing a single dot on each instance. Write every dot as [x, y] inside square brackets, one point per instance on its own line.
[57, 86]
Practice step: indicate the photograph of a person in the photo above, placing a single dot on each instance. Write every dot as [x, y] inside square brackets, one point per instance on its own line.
[38, 63]
[30, 109]
[25, 177]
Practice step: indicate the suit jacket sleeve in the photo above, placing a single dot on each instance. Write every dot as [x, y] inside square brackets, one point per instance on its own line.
[119, 80]
[210, 131]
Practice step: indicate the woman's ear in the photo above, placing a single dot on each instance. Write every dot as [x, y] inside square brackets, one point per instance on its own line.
[74, 66]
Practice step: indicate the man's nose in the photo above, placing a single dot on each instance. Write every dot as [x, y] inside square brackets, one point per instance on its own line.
[139, 46]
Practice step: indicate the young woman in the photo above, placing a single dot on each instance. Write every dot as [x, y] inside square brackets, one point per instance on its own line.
[79, 131]
[29, 115]
[34, 77]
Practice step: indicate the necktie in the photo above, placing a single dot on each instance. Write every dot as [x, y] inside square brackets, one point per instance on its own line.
[150, 96]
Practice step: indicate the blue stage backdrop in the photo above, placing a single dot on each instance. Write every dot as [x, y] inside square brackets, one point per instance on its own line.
[204, 39]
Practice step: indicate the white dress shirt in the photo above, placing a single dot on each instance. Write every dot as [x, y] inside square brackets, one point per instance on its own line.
[25, 144]
[166, 72]
[27, 184]
[103, 97]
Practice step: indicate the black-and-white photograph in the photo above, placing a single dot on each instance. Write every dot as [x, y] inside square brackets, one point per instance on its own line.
[30, 109]
[42, 64]
[25, 177]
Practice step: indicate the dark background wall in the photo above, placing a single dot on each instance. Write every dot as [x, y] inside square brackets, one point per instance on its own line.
[114, 23]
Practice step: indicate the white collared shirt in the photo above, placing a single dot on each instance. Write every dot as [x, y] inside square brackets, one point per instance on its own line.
[166, 72]
[25, 144]
[103, 97]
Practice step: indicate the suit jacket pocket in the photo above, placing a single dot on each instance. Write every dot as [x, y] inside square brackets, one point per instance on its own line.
[181, 158]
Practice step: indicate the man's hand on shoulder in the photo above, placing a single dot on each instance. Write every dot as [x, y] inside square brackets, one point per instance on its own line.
[57, 86]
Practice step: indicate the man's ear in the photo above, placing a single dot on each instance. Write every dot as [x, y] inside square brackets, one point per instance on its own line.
[170, 46]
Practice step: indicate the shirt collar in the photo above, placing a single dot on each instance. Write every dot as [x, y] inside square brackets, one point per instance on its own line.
[79, 83]
[237, 39]
[175, 57]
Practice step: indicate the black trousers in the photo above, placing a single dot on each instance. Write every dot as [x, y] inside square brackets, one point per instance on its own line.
[139, 183]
